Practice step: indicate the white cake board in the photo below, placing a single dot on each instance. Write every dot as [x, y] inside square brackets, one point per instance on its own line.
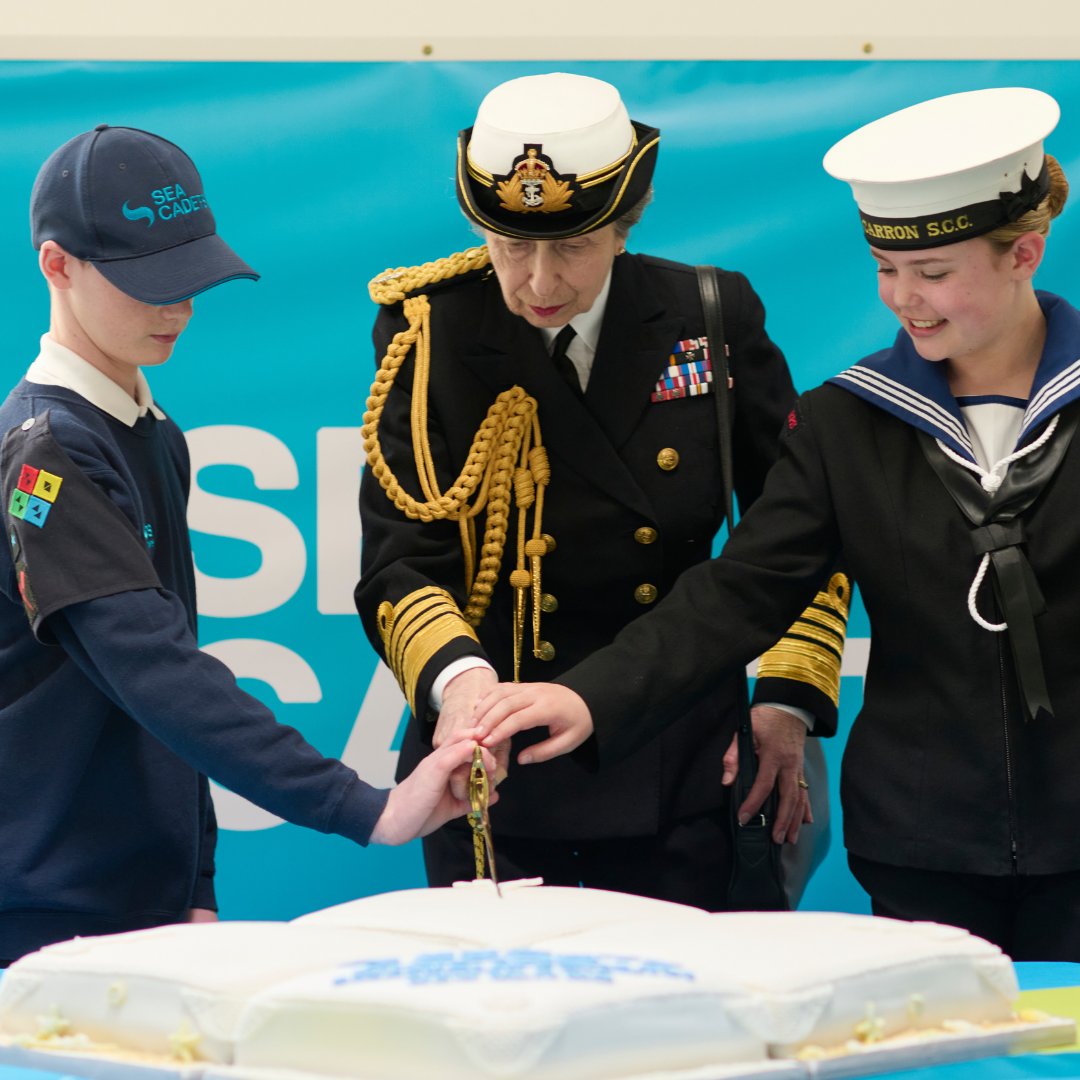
[897, 1054]
[100, 1067]
[876, 1058]
[95, 1066]
[762, 1070]
[919, 1053]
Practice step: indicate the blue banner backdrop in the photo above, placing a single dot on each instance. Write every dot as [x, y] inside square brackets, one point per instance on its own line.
[322, 175]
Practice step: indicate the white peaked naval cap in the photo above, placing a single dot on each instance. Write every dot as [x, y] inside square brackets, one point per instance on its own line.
[582, 122]
[553, 156]
[948, 169]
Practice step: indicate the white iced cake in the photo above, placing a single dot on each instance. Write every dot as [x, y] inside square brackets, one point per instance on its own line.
[175, 991]
[541, 982]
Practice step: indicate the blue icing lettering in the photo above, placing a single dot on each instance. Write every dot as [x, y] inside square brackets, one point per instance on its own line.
[368, 971]
[512, 965]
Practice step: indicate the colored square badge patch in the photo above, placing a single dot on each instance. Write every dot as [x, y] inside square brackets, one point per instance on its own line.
[35, 494]
[27, 479]
[47, 485]
[688, 373]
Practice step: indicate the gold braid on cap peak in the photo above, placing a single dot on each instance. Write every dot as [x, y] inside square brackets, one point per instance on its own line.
[507, 456]
[811, 650]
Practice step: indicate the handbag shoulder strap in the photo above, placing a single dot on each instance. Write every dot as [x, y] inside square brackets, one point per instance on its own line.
[709, 287]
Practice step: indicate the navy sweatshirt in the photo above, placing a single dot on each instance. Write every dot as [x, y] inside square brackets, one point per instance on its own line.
[110, 716]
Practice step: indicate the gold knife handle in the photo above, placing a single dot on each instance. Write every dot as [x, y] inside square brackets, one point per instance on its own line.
[479, 793]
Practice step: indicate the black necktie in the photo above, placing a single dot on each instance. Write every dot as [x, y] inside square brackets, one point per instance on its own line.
[563, 364]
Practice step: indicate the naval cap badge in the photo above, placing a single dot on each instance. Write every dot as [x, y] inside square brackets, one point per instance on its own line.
[533, 186]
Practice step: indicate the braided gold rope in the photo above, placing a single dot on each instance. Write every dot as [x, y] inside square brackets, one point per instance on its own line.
[393, 285]
[506, 452]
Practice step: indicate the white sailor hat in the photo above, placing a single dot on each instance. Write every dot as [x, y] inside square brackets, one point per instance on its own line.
[948, 169]
[551, 156]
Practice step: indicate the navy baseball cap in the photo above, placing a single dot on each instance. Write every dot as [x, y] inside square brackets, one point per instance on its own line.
[133, 204]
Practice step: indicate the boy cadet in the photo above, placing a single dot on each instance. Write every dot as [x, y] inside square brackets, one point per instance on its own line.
[110, 716]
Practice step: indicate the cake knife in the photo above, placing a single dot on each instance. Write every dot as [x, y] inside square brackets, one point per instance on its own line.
[480, 820]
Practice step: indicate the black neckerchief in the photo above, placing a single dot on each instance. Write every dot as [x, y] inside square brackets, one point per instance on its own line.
[998, 531]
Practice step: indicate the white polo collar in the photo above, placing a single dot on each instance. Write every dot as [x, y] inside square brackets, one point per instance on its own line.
[57, 365]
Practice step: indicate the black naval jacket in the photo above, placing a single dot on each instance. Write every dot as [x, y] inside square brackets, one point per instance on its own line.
[606, 487]
[942, 770]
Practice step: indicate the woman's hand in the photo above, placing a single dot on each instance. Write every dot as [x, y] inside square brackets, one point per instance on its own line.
[423, 801]
[460, 698]
[514, 707]
[779, 738]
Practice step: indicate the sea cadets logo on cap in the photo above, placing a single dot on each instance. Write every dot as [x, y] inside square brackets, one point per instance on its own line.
[35, 494]
[533, 185]
[133, 204]
[948, 169]
[169, 202]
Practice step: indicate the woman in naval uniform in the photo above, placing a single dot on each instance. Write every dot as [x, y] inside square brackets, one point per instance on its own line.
[944, 469]
[526, 498]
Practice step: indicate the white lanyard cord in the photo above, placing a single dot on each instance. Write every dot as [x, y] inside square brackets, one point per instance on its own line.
[991, 480]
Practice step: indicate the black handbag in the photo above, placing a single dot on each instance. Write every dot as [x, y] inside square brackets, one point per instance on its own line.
[756, 873]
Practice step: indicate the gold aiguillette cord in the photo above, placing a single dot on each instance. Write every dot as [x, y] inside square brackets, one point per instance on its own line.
[479, 819]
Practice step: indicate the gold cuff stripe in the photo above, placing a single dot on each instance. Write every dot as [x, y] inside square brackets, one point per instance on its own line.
[812, 649]
[836, 596]
[415, 629]
[408, 623]
[801, 631]
[827, 619]
[805, 663]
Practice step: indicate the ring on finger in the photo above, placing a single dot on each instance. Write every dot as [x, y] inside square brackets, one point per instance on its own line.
[801, 781]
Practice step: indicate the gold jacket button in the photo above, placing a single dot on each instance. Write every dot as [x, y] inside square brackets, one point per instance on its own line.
[545, 651]
[549, 540]
[645, 535]
[646, 594]
[548, 603]
[667, 459]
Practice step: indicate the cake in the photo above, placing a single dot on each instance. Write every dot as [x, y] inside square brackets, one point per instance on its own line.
[539, 982]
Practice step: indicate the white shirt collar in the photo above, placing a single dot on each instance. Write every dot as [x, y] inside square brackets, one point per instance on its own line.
[587, 324]
[57, 365]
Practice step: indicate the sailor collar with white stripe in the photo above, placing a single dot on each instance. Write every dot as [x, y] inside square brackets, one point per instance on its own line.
[57, 365]
[917, 392]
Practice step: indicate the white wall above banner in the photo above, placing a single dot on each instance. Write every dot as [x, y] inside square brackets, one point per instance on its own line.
[558, 29]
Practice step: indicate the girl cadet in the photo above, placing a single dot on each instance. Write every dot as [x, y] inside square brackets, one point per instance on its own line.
[620, 466]
[943, 469]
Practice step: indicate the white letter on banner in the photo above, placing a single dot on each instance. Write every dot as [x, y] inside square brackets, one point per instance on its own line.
[284, 557]
[340, 457]
[292, 680]
[368, 750]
